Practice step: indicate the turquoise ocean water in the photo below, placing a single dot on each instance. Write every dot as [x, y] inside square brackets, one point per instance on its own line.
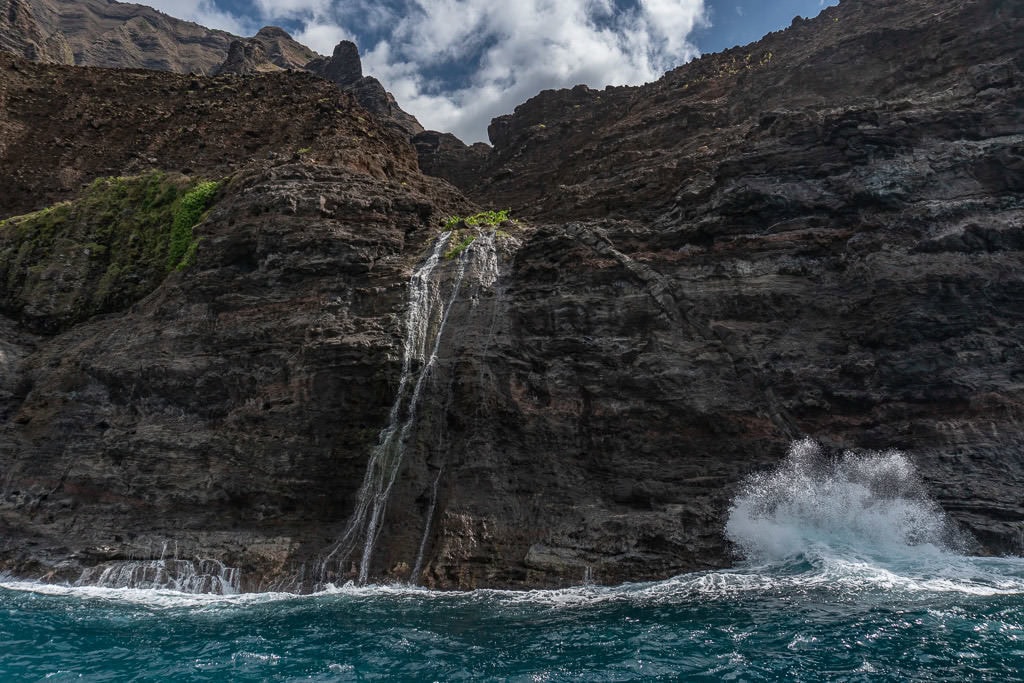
[851, 573]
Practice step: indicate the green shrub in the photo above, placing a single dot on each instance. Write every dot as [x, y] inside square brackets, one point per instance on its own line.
[460, 246]
[189, 210]
[465, 230]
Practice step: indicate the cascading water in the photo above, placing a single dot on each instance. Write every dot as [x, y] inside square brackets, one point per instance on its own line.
[418, 566]
[426, 318]
[185, 576]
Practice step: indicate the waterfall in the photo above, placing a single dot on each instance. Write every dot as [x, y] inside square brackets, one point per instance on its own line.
[426, 318]
[418, 566]
[186, 576]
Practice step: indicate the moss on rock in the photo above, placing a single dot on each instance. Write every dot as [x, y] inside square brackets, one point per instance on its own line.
[101, 252]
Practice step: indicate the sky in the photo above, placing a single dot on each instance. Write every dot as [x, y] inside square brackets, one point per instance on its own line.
[456, 64]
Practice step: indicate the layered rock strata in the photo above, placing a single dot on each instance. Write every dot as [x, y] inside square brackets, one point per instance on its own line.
[820, 234]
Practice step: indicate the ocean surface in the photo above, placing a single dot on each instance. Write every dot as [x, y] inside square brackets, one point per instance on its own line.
[851, 573]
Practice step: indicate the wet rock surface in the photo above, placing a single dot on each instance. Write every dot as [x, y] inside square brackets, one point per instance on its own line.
[819, 234]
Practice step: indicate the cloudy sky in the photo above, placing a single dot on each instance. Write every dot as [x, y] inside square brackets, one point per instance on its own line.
[456, 64]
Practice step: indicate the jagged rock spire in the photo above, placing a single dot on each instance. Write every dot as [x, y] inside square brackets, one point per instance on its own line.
[343, 67]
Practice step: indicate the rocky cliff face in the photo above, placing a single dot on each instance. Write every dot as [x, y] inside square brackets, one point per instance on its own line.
[816, 234]
[820, 234]
[271, 49]
[317, 238]
[22, 34]
[120, 35]
[111, 34]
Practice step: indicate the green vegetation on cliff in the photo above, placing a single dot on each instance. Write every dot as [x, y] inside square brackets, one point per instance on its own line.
[465, 230]
[101, 252]
[483, 219]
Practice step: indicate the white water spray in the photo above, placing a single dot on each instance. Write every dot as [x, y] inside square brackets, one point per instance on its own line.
[184, 576]
[427, 315]
[871, 503]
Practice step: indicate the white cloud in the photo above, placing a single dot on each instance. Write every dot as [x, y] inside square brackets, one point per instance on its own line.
[501, 52]
[527, 46]
[322, 37]
[203, 12]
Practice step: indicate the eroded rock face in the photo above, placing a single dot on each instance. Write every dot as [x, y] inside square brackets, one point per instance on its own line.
[445, 156]
[343, 67]
[113, 34]
[120, 35]
[22, 34]
[119, 122]
[748, 251]
[228, 412]
[244, 59]
[271, 49]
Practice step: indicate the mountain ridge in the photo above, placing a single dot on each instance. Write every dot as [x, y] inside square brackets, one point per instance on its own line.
[111, 34]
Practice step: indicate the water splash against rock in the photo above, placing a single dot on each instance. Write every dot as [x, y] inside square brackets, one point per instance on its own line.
[869, 503]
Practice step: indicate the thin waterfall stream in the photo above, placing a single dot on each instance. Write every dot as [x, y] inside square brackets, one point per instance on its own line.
[426, 318]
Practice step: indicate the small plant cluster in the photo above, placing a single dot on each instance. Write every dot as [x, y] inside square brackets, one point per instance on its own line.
[484, 219]
[465, 230]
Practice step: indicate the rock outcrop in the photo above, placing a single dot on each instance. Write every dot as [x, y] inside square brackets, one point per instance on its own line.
[245, 58]
[345, 68]
[445, 156]
[820, 234]
[271, 49]
[114, 34]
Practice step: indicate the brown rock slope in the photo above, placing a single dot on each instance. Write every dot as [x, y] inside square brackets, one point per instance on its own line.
[113, 34]
[124, 35]
[105, 33]
[129, 121]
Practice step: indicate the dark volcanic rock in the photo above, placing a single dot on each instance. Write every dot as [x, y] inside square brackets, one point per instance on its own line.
[245, 58]
[445, 156]
[229, 412]
[188, 416]
[343, 67]
[816, 234]
[819, 234]
[119, 122]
